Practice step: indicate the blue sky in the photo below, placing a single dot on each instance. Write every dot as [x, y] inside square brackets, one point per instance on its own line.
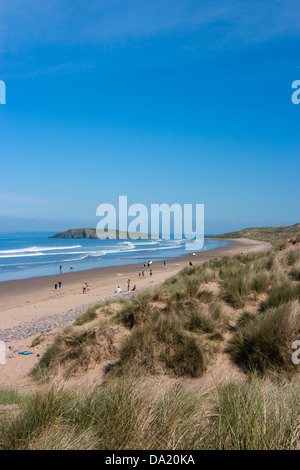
[162, 101]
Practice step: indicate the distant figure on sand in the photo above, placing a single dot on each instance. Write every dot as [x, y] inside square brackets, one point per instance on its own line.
[88, 287]
[84, 288]
[134, 288]
[128, 284]
[59, 284]
[55, 285]
[118, 290]
[164, 263]
[150, 272]
[143, 273]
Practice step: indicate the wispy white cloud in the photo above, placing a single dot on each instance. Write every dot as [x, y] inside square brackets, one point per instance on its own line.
[57, 25]
[63, 22]
[32, 71]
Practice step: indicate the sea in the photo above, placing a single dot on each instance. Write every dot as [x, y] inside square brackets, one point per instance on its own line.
[31, 254]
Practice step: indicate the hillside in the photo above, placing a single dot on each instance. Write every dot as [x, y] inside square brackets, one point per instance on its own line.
[276, 235]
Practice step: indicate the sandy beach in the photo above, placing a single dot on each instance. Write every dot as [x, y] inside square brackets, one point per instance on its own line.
[32, 300]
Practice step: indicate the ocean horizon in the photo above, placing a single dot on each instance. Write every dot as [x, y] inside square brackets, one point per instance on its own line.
[25, 255]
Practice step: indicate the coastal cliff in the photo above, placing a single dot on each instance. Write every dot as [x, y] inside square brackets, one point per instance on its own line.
[91, 233]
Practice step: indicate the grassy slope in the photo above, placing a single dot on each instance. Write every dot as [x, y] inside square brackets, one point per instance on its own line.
[250, 304]
[275, 235]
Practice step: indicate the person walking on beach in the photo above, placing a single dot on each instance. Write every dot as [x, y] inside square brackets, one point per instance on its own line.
[164, 263]
[150, 272]
[55, 285]
[88, 287]
[143, 273]
[59, 284]
[84, 288]
[128, 285]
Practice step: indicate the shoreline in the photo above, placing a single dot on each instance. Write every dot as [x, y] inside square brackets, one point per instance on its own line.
[138, 262]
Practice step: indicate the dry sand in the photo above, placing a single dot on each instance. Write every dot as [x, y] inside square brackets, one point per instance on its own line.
[30, 300]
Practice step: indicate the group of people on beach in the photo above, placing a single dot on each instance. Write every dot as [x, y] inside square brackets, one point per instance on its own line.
[119, 290]
[141, 274]
[86, 286]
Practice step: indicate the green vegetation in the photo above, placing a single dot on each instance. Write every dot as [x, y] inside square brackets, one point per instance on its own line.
[87, 316]
[91, 313]
[9, 396]
[174, 330]
[263, 342]
[163, 346]
[75, 351]
[140, 414]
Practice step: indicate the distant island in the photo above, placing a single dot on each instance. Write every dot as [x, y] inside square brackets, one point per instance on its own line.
[91, 233]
